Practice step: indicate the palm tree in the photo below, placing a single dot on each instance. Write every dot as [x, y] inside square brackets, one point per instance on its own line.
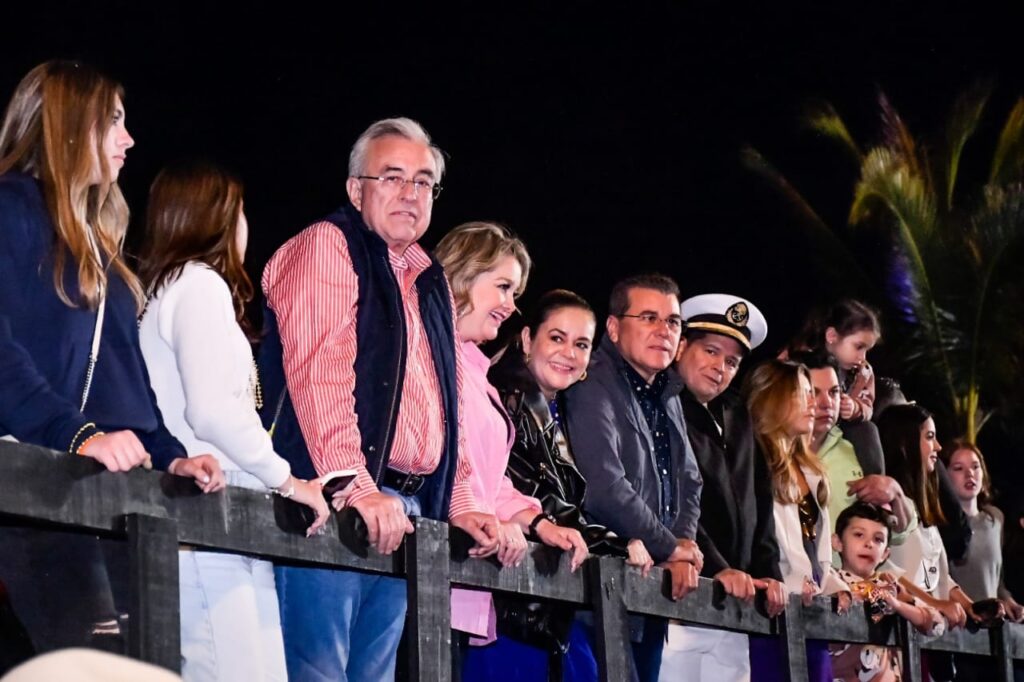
[951, 280]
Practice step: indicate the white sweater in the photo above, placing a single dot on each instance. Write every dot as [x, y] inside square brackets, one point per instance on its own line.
[201, 369]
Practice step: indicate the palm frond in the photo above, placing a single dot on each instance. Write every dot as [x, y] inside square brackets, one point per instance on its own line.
[1009, 155]
[897, 137]
[963, 121]
[887, 179]
[823, 119]
[810, 221]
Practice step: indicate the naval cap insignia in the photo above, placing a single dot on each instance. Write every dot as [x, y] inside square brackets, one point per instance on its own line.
[738, 314]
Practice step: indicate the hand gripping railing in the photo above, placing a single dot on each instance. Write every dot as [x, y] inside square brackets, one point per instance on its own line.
[155, 512]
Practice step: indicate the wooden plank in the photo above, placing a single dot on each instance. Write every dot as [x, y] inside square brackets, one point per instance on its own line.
[795, 637]
[428, 618]
[544, 574]
[41, 484]
[154, 628]
[1002, 649]
[611, 623]
[910, 650]
[707, 605]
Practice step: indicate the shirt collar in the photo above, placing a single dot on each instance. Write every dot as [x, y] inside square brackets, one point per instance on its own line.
[642, 388]
[415, 259]
[475, 357]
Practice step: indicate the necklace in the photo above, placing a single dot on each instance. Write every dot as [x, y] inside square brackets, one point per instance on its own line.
[255, 389]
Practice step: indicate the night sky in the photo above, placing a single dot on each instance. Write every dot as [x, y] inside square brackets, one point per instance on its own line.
[607, 135]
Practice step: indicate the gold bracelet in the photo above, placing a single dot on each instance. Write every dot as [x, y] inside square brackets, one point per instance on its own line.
[86, 441]
[87, 425]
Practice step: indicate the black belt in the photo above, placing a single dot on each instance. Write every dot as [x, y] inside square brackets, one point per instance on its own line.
[403, 483]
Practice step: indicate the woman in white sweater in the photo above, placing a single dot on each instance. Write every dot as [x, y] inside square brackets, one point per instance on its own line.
[201, 369]
[781, 403]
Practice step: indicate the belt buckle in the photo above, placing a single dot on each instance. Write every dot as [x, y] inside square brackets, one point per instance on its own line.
[410, 484]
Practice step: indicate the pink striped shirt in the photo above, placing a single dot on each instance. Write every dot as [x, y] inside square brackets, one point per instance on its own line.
[312, 288]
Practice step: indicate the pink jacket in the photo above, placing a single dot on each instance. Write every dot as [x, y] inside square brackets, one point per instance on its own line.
[488, 435]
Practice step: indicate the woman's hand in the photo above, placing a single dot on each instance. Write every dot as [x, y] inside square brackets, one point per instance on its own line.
[205, 469]
[1014, 611]
[639, 556]
[809, 591]
[511, 544]
[568, 539]
[118, 450]
[952, 611]
[309, 493]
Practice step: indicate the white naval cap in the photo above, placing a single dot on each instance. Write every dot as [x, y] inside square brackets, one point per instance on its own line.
[728, 315]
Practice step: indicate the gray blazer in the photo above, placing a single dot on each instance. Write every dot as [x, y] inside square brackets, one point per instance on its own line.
[614, 451]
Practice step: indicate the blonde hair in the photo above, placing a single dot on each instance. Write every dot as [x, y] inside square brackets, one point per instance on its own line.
[474, 248]
[771, 389]
[53, 130]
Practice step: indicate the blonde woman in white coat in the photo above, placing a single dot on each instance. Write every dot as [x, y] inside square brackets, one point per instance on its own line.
[780, 399]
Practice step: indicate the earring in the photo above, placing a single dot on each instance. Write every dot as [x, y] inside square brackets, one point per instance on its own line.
[583, 377]
[526, 358]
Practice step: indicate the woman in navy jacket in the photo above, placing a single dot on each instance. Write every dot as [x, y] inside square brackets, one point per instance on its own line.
[70, 301]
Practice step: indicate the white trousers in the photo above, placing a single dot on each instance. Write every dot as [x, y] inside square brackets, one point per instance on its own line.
[700, 654]
[230, 619]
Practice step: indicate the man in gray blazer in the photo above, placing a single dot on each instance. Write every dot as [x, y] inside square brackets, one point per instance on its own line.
[627, 433]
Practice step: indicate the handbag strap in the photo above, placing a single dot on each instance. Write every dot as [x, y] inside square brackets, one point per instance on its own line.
[94, 350]
[97, 332]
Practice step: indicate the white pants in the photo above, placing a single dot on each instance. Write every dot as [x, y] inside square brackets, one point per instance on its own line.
[696, 653]
[230, 620]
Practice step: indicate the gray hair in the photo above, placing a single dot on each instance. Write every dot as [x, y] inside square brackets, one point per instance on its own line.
[400, 127]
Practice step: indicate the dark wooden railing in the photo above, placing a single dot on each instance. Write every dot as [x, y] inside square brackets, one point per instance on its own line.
[154, 512]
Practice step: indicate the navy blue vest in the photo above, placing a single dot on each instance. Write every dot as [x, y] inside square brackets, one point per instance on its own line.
[379, 365]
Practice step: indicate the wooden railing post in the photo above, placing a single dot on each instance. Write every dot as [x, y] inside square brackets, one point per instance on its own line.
[795, 638]
[154, 627]
[1000, 638]
[428, 618]
[910, 649]
[607, 577]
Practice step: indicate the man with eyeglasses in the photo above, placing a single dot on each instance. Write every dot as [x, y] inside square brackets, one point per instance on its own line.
[626, 428]
[361, 324]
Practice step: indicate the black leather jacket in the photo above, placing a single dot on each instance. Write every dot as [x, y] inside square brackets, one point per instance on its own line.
[541, 466]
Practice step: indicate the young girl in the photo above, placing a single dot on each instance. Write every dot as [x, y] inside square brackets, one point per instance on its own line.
[781, 404]
[847, 330]
[980, 571]
[206, 384]
[911, 451]
[71, 304]
[487, 268]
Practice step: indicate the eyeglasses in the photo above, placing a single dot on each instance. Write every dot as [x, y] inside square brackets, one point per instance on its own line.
[673, 322]
[396, 183]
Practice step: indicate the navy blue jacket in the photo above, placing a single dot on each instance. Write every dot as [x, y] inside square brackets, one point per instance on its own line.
[614, 451]
[379, 365]
[45, 343]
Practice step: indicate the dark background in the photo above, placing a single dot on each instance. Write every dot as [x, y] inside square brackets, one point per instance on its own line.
[608, 135]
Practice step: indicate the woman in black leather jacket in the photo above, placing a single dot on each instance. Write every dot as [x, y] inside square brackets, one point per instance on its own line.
[550, 354]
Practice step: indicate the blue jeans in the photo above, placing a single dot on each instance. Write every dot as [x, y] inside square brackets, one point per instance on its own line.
[341, 625]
